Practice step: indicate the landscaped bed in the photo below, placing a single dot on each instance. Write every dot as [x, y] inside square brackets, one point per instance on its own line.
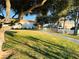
[39, 45]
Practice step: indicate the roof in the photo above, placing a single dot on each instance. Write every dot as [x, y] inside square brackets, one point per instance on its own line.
[22, 21]
[25, 21]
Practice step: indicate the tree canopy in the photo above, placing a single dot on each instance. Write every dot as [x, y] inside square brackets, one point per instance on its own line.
[23, 7]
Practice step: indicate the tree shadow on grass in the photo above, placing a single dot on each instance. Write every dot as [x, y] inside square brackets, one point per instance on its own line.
[28, 54]
[37, 50]
[64, 52]
[50, 52]
[11, 33]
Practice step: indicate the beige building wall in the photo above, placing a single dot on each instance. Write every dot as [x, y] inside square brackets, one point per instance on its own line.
[69, 24]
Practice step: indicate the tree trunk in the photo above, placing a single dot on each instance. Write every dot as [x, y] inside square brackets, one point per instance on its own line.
[8, 9]
[76, 25]
[21, 15]
[1, 38]
[4, 54]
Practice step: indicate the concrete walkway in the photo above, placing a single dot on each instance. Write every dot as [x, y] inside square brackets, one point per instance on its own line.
[65, 37]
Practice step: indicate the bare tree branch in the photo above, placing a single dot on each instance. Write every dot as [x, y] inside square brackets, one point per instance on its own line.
[38, 5]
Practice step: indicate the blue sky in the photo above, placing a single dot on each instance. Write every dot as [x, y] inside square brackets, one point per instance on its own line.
[29, 17]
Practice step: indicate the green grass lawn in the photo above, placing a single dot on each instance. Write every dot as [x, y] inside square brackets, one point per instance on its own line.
[39, 45]
[72, 36]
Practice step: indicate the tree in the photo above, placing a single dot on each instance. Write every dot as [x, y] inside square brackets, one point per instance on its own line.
[22, 7]
[8, 5]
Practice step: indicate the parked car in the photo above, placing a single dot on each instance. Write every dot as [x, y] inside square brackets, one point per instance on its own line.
[17, 26]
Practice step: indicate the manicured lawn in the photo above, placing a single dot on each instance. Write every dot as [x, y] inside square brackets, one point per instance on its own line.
[39, 45]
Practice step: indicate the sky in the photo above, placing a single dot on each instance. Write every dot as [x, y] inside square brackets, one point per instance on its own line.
[29, 17]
